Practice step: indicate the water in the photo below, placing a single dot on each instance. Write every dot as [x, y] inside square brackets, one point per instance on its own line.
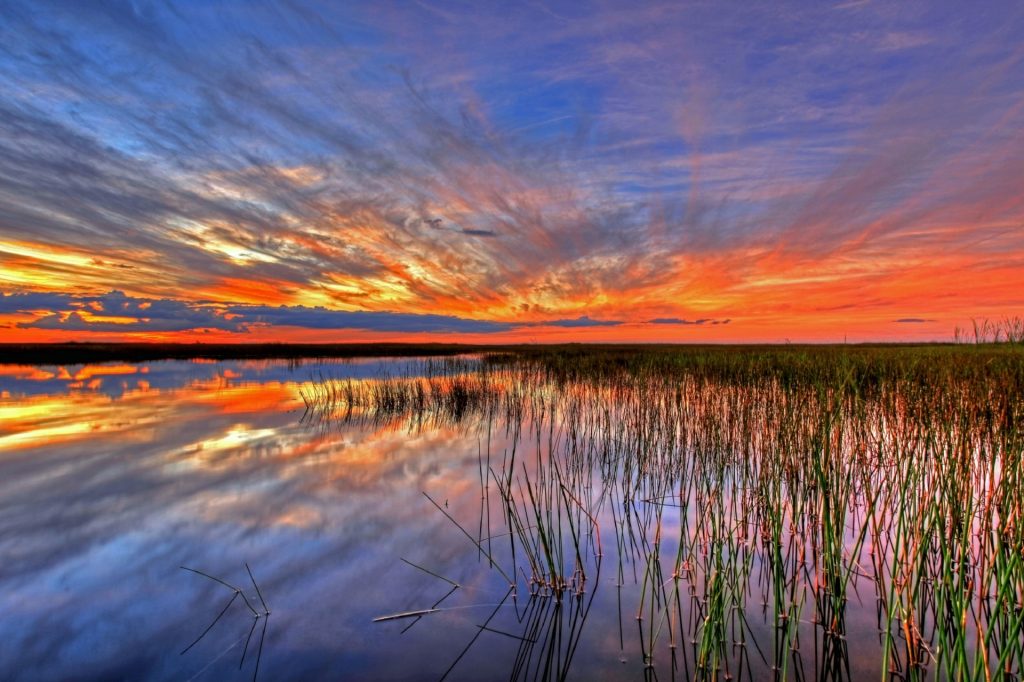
[113, 477]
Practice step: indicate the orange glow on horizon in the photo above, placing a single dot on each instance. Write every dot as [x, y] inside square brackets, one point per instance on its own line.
[768, 296]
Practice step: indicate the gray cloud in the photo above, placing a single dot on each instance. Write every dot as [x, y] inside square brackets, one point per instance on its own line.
[582, 321]
[69, 312]
[321, 318]
[173, 315]
[681, 321]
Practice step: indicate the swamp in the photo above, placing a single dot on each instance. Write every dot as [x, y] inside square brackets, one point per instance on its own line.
[531, 513]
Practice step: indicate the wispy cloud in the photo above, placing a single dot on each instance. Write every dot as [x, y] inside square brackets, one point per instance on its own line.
[533, 165]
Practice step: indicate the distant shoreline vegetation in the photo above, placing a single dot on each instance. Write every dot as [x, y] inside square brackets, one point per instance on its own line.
[72, 353]
[985, 333]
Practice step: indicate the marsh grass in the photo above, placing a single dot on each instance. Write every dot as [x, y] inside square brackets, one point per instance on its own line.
[755, 497]
[258, 615]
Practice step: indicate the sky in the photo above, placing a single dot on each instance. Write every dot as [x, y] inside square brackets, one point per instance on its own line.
[509, 172]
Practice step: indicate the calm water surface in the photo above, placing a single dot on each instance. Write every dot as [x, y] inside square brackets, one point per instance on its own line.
[113, 477]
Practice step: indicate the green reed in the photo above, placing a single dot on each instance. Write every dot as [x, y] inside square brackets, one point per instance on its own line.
[821, 479]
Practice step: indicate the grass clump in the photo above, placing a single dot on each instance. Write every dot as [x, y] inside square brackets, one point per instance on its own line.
[756, 498]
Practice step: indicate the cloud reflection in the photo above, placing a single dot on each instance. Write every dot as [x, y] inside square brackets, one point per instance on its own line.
[102, 499]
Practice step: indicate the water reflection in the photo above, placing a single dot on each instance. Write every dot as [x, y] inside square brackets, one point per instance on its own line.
[105, 493]
[116, 379]
[494, 522]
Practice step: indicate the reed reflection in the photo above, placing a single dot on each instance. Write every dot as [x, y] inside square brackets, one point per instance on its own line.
[548, 515]
[774, 517]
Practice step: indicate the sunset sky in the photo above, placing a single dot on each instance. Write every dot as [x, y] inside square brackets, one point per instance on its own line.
[509, 172]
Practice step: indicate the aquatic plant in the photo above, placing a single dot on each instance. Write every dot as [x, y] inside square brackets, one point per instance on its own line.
[824, 480]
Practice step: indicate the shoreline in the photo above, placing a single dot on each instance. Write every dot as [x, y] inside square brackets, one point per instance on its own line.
[77, 353]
